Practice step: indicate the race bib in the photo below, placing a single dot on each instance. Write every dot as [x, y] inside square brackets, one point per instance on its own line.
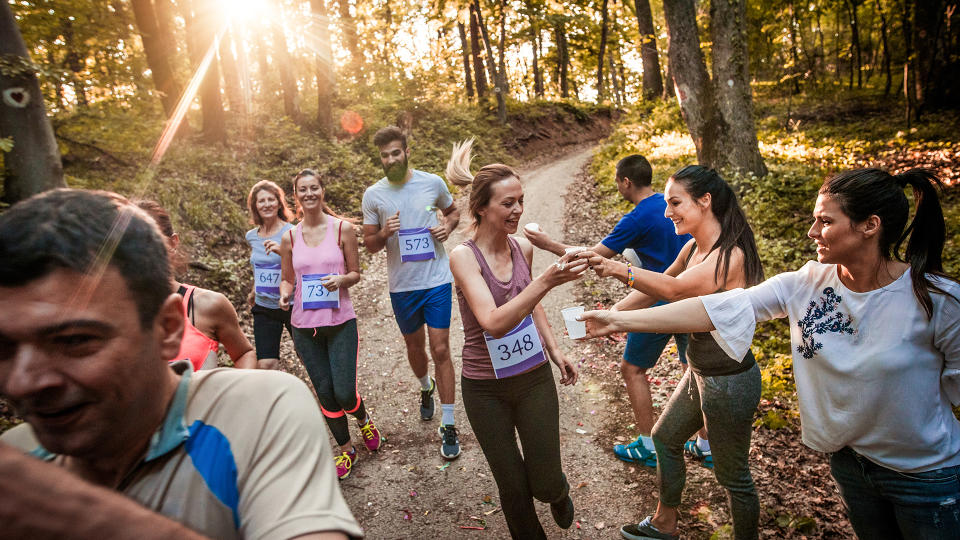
[416, 244]
[313, 295]
[516, 352]
[267, 278]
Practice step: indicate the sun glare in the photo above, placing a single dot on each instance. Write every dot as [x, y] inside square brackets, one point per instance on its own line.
[246, 11]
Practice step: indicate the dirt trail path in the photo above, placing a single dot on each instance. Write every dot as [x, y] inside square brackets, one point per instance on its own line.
[404, 491]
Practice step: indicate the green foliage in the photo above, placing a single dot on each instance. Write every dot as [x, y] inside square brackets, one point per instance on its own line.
[6, 144]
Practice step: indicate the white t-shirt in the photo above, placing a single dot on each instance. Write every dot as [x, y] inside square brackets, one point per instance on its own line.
[872, 371]
[417, 200]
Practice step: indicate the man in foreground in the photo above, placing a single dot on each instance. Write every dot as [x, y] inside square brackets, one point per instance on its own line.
[120, 442]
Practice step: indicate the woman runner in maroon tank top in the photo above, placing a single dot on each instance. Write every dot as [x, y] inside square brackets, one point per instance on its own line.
[507, 383]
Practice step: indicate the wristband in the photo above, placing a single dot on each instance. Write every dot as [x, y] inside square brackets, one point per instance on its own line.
[630, 275]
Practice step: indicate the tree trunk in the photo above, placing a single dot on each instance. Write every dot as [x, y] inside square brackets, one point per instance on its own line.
[202, 26]
[601, 50]
[348, 25]
[535, 49]
[33, 164]
[614, 84]
[288, 84]
[465, 48]
[731, 80]
[689, 71]
[478, 67]
[855, 53]
[502, 86]
[794, 55]
[324, 58]
[491, 65]
[652, 83]
[562, 59]
[156, 52]
[232, 85]
[886, 50]
[936, 71]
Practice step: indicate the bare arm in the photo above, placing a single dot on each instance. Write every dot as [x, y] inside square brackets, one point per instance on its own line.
[288, 278]
[542, 240]
[697, 280]
[687, 315]
[497, 321]
[41, 500]
[451, 218]
[568, 371]
[351, 259]
[375, 237]
[227, 331]
[640, 300]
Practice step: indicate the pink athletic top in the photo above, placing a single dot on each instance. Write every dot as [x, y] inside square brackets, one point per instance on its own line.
[327, 258]
[476, 359]
[195, 346]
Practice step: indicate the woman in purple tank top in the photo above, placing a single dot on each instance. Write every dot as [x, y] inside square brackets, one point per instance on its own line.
[506, 381]
[319, 261]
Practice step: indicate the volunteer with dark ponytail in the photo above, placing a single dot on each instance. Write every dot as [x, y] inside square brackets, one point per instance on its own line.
[269, 212]
[506, 381]
[876, 349]
[718, 389]
[319, 262]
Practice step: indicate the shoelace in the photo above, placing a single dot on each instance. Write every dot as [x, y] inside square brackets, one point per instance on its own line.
[345, 456]
[367, 430]
[449, 435]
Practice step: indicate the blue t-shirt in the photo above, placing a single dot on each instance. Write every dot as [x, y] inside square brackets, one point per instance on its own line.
[266, 268]
[649, 233]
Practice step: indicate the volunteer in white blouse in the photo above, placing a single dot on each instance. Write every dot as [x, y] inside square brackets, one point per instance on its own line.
[876, 349]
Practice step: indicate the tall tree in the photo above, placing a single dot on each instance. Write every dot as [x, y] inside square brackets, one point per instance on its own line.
[288, 83]
[718, 112]
[601, 49]
[232, 85]
[856, 61]
[324, 59]
[33, 164]
[563, 57]
[156, 49]
[478, 68]
[465, 51]
[203, 28]
[348, 25]
[886, 50]
[652, 83]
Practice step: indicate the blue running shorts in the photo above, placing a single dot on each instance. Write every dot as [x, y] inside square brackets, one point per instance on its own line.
[643, 350]
[431, 306]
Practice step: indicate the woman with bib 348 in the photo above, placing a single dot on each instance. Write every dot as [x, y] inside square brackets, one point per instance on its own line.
[507, 383]
[319, 262]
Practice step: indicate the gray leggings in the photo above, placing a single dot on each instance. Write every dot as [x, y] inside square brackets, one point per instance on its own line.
[728, 403]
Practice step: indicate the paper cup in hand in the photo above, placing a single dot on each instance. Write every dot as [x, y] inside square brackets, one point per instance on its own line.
[575, 329]
[533, 227]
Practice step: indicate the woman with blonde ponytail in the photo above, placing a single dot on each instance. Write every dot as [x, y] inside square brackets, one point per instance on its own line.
[876, 349]
[506, 380]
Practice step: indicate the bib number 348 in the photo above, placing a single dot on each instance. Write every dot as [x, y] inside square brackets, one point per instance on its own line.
[313, 295]
[516, 352]
[415, 244]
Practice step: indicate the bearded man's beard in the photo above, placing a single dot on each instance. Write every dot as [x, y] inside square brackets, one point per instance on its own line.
[397, 171]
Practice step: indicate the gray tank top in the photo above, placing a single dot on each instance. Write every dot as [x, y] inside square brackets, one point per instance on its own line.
[704, 355]
[476, 359]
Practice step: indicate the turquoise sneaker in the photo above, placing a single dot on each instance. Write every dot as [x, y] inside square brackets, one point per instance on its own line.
[636, 452]
[691, 449]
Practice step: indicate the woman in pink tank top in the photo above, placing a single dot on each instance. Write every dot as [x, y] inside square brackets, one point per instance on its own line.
[506, 381]
[319, 261]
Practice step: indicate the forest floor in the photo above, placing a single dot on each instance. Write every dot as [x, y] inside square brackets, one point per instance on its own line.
[407, 490]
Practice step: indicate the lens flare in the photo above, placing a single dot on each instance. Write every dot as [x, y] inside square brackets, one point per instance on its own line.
[351, 122]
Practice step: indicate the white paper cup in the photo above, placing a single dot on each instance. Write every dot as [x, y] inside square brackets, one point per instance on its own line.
[631, 256]
[575, 329]
[534, 227]
[574, 249]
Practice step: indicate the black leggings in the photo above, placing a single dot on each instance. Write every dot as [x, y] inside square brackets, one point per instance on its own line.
[526, 404]
[268, 325]
[330, 355]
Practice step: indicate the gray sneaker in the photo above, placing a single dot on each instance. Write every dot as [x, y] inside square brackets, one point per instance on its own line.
[645, 531]
[450, 447]
[426, 401]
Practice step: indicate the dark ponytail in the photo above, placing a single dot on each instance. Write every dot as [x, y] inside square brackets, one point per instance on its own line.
[866, 192]
[735, 231]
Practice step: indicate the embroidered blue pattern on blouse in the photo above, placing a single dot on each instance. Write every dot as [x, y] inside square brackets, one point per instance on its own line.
[821, 318]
